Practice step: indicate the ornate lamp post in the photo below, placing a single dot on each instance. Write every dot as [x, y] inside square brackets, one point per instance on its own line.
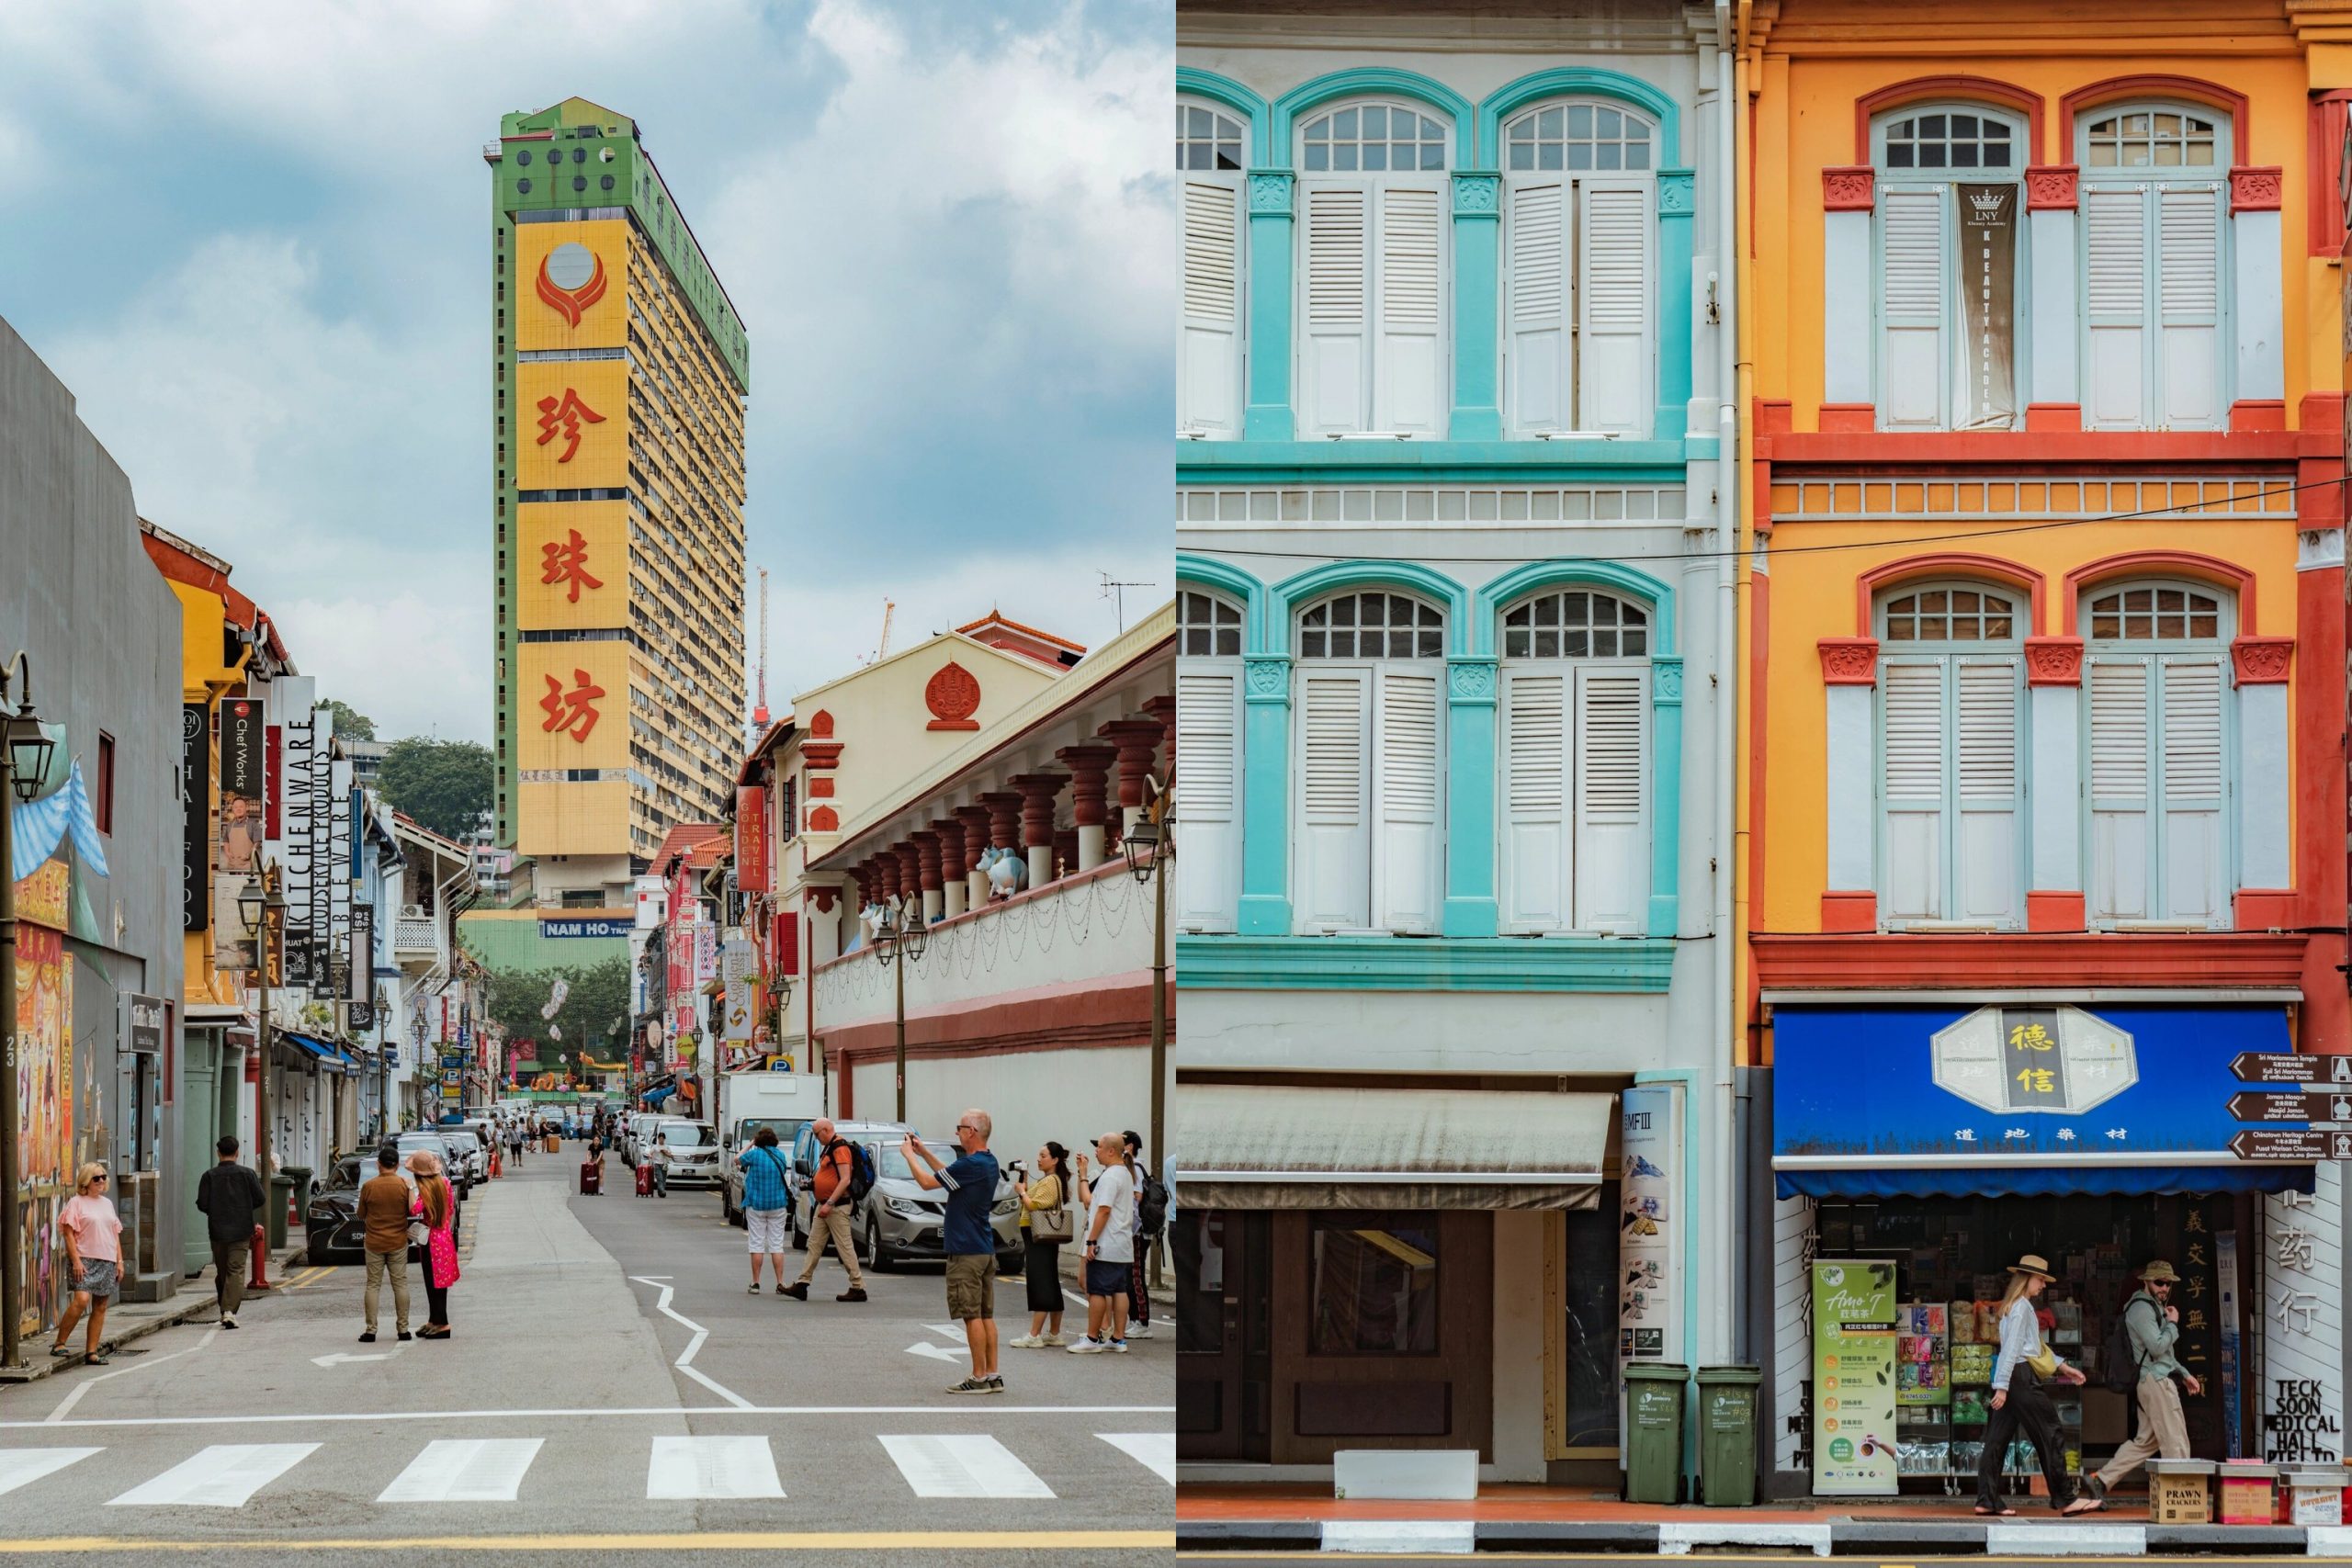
[902, 933]
[1150, 844]
[24, 762]
[263, 905]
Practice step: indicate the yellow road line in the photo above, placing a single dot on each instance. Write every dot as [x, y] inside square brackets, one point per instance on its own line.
[741, 1540]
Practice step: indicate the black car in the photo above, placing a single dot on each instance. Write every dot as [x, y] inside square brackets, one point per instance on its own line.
[335, 1235]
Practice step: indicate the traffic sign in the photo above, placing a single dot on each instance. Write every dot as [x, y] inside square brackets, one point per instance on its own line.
[2261, 1067]
[2267, 1105]
[2289, 1144]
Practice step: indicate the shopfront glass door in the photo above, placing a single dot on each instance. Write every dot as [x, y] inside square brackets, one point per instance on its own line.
[1224, 1335]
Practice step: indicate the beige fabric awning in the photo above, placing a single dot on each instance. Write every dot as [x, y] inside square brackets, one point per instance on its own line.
[1251, 1146]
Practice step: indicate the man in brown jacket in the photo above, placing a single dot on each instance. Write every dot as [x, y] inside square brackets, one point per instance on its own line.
[383, 1210]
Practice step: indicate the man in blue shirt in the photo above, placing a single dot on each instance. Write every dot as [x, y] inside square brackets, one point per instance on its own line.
[968, 1240]
[766, 1204]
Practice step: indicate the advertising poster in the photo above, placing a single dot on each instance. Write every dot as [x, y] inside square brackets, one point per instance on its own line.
[44, 1115]
[1988, 256]
[1853, 1378]
[196, 813]
[735, 970]
[242, 808]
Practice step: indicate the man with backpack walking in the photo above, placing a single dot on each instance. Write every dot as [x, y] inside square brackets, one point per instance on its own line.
[2140, 1359]
[844, 1175]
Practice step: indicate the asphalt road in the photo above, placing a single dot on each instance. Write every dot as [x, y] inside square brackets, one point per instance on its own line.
[611, 1392]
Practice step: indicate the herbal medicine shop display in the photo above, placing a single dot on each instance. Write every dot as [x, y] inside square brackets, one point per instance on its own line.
[1945, 1318]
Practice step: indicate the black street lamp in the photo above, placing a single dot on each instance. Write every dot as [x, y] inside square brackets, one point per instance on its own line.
[261, 902]
[1150, 844]
[901, 932]
[25, 753]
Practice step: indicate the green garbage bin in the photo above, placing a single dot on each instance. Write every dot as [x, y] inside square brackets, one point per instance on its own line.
[281, 1193]
[1653, 1431]
[1727, 1435]
[303, 1175]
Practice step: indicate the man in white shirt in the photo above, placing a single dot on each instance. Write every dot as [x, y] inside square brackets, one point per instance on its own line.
[1110, 1200]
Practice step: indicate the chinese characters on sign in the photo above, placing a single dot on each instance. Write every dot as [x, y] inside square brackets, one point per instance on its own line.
[567, 562]
[569, 413]
[2037, 1068]
[571, 713]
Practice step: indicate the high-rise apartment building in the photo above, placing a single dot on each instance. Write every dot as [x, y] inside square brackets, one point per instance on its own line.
[621, 372]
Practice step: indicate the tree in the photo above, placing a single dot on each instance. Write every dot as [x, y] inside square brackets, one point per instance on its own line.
[597, 997]
[445, 785]
[349, 722]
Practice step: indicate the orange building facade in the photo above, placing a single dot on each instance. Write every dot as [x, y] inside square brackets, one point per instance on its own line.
[2046, 701]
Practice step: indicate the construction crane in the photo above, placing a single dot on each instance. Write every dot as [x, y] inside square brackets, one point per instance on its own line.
[882, 648]
[759, 709]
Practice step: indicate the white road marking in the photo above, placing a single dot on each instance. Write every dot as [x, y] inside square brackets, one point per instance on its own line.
[339, 1356]
[222, 1476]
[570, 1414]
[952, 1333]
[73, 1395]
[685, 1362]
[689, 1468]
[20, 1467]
[1156, 1452]
[963, 1466]
[465, 1470]
[939, 1353]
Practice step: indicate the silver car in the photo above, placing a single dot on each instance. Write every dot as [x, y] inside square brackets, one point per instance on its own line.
[900, 1220]
[694, 1151]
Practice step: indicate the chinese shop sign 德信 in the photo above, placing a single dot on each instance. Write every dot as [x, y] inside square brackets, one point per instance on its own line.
[1988, 274]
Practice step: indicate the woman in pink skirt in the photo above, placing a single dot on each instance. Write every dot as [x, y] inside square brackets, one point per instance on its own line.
[438, 1209]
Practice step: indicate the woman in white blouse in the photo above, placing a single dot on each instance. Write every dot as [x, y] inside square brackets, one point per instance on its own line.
[2018, 1399]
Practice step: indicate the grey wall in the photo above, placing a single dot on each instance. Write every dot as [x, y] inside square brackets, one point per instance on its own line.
[79, 594]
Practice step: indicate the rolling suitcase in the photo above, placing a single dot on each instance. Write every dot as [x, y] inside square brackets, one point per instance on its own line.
[592, 1176]
[645, 1180]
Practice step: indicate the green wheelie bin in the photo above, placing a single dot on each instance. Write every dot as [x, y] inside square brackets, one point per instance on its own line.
[1727, 1435]
[1653, 1431]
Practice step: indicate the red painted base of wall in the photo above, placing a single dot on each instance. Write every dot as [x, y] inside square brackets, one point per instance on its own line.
[2042, 419]
[2055, 912]
[2265, 909]
[1957, 960]
[1849, 911]
[1116, 1012]
[2258, 414]
[1848, 418]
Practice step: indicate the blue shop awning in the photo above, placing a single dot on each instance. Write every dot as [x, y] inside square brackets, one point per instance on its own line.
[329, 1056]
[2026, 1099]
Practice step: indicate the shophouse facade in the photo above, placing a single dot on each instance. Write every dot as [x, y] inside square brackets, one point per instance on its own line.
[435, 884]
[2044, 805]
[97, 852]
[1031, 995]
[1453, 952]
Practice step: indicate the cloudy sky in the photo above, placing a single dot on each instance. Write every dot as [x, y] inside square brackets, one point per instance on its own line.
[254, 237]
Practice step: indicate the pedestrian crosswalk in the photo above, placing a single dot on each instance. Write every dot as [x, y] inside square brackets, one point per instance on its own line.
[694, 1468]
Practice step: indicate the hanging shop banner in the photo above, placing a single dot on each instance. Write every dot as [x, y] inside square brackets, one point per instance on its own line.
[2016, 1100]
[149, 1018]
[1650, 1228]
[1853, 1378]
[196, 814]
[241, 749]
[296, 788]
[706, 952]
[735, 964]
[1988, 271]
[343, 867]
[752, 839]
[363, 962]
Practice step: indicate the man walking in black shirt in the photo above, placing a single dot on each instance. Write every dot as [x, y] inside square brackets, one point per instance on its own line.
[230, 1197]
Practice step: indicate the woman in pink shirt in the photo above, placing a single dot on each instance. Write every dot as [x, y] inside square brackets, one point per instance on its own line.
[93, 1237]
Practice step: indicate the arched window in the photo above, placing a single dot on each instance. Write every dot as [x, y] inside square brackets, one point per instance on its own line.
[1575, 719]
[1580, 268]
[2153, 199]
[1373, 283]
[1208, 764]
[1951, 715]
[2157, 698]
[1370, 763]
[1209, 143]
[1947, 229]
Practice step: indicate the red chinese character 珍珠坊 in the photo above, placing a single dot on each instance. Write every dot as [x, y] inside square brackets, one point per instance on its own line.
[568, 412]
[571, 713]
[567, 561]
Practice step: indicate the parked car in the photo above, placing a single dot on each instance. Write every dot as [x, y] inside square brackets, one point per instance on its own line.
[731, 1174]
[694, 1150]
[639, 1126]
[469, 1146]
[331, 1225]
[458, 1169]
[899, 1221]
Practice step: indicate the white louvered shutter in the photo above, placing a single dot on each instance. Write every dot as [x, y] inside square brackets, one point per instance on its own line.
[1208, 383]
[2120, 785]
[1613, 293]
[1988, 859]
[1208, 798]
[1612, 801]
[1536, 359]
[1334, 801]
[1915, 307]
[1335, 343]
[1912, 789]
[2194, 872]
[2188, 309]
[2115, 304]
[1408, 361]
[1408, 880]
[1536, 868]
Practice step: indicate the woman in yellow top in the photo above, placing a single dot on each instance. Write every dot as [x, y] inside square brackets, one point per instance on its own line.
[1041, 1262]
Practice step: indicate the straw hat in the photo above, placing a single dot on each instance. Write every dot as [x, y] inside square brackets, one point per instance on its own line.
[2158, 1272]
[2031, 1264]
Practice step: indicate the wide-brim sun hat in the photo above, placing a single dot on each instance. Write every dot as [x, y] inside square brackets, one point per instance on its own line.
[2035, 1264]
[2158, 1273]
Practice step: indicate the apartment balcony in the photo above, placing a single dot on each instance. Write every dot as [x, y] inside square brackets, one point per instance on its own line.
[416, 938]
